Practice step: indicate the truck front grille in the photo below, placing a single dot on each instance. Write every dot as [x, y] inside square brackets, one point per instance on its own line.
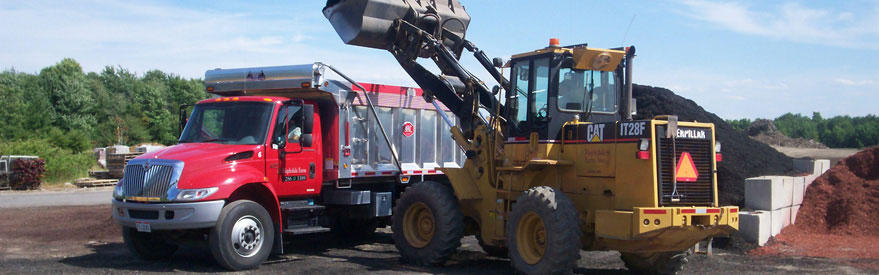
[147, 181]
[696, 193]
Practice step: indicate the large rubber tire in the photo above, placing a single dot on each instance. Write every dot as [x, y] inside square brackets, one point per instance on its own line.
[543, 219]
[148, 246]
[251, 244]
[656, 263]
[427, 223]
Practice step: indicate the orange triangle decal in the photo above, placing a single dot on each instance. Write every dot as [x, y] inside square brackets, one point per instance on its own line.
[686, 170]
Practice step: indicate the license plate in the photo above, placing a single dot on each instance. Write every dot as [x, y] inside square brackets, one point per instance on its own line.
[142, 227]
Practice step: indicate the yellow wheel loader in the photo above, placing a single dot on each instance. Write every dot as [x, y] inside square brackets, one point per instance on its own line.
[555, 162]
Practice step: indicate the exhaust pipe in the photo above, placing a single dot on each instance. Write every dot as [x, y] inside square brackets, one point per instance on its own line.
[368, 23]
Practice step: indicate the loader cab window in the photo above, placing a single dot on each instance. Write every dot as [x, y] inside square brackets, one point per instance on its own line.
[531, 81]
[577, 86]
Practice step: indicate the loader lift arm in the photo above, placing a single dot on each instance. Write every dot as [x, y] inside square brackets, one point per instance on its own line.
[456, 87]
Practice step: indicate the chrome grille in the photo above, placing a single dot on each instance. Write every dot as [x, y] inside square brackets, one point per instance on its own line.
[154, 181]
[699, 192]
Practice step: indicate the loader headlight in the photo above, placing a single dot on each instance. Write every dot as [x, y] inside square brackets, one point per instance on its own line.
[195, 194]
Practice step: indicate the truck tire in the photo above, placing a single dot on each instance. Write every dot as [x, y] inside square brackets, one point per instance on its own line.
[543, 232]
[148, 246]
[243, 236]
[427, 223]
[656, 263]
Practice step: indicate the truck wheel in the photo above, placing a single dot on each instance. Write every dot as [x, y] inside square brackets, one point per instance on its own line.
[655, 263]
[243, 236]
[543, 232]
[427, 223]
[147, 246]
[492, 250]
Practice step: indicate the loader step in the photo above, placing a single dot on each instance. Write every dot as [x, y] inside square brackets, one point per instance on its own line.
[306, 230]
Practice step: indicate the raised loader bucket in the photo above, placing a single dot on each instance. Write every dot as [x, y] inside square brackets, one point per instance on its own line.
[367, 23]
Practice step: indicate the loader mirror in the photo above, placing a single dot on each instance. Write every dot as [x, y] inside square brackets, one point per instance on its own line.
[497, 62]
[307, 118]
[306, 140]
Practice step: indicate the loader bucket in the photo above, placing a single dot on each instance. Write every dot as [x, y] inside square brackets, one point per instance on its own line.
[368, 23]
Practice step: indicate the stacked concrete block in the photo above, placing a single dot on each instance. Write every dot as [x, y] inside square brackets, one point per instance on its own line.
[812, 166]
[768, 192]
[754, 226]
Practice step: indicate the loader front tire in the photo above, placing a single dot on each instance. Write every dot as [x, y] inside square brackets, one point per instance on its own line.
[543, 232]
[656, 263]
[427, 223]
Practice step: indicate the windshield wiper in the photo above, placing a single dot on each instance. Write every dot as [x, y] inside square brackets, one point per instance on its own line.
[215, 140]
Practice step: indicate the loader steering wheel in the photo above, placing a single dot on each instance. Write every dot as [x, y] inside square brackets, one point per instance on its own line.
[542, 113]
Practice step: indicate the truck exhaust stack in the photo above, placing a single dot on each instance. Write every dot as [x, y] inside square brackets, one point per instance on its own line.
[368, 23]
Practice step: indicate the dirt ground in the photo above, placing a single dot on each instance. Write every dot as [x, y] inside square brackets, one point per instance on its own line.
[84, 239]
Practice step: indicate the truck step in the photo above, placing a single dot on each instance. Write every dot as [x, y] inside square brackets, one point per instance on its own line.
[300, 206]
[307, 230]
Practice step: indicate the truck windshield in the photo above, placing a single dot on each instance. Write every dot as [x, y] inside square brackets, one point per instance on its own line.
[575, 86]
[228, 123]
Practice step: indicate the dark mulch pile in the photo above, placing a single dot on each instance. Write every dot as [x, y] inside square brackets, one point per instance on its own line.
[743, 157]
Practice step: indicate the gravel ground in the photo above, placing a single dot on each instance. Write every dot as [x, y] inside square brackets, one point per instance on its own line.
[84, 239]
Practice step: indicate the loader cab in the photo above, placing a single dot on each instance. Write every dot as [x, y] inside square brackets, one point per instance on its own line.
[553, 85]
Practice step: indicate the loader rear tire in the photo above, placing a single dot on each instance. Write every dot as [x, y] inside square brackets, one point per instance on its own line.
[427, 223]
[543, 232]
[656, 263]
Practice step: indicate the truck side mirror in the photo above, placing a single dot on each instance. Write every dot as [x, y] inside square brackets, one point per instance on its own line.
[307, 118]
[281, 141]
[306, 140]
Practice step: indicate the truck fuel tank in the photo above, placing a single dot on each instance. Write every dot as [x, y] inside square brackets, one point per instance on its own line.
[368, 23]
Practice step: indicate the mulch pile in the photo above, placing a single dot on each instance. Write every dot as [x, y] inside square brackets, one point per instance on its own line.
[840, 213]
[743, 157]
[764, 130]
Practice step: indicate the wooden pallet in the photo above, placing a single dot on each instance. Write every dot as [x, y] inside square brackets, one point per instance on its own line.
[90, 182]
[116, 163]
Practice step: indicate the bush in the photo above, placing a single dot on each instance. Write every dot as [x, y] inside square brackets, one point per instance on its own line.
[61, 164]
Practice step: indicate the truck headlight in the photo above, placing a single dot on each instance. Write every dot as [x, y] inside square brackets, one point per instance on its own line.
[118, 191]
[195, 194]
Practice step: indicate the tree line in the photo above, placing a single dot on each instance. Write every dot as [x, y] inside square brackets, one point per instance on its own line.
[835, 132]
[62, 112]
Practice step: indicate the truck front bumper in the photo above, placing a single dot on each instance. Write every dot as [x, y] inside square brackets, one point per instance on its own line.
[663, 228]
[168, 216]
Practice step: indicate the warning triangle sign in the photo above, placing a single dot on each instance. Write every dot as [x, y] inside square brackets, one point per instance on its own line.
[686, 170]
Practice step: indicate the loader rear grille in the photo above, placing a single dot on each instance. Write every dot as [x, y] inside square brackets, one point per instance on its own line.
[147, 181]
[699, 192]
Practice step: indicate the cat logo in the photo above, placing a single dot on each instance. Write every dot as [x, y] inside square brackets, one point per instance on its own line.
[595, 132]
[686, 170]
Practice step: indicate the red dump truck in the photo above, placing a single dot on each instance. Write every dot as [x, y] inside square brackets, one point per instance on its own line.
[282, 151]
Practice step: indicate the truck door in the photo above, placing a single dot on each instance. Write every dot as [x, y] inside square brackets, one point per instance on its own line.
[300, 165]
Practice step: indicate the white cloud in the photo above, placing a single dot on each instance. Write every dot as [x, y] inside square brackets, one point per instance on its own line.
[850, 82]
[792, 22]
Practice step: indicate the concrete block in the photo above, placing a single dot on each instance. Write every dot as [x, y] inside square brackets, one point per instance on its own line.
[768, 192]
[798, 190]
[821, 166]
[754, 226]
[793, 213]
[779, 219]
[814, 167]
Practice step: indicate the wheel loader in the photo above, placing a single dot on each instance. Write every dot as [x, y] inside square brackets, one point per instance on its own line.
[555, 161]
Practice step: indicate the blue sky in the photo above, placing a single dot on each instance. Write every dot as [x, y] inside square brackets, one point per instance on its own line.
[738, 59]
